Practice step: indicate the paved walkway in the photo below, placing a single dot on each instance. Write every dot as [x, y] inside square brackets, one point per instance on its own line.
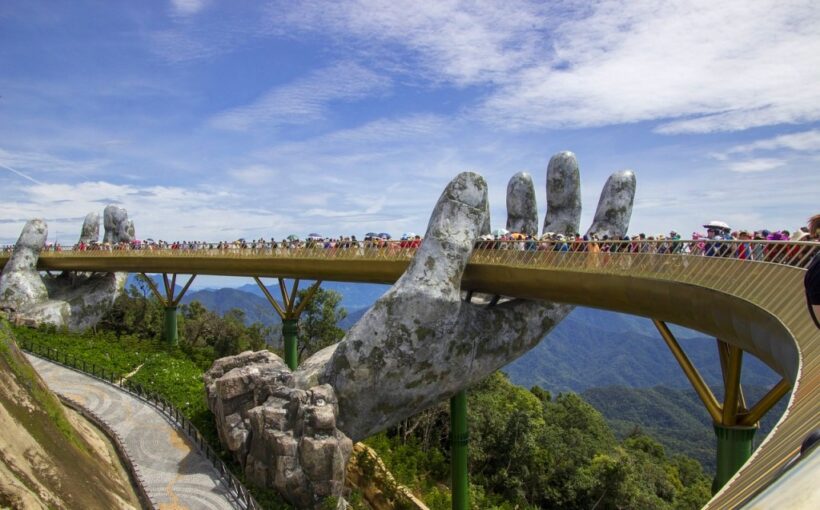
[175, 476]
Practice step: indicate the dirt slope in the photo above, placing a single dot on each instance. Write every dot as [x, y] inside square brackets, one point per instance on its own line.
[50, 458]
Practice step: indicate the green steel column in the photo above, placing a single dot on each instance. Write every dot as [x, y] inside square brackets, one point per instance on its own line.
[734, 447]
[171, 335]
[459, 437]
[290, 328]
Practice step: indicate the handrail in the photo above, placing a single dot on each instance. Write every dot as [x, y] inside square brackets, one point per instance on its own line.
[795, 253]
[234, 485]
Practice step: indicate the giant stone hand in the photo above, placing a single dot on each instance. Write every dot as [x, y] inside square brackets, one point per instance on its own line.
[71, 299]
[419, 343]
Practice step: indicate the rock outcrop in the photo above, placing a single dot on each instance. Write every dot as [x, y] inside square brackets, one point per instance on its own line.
[284, 437]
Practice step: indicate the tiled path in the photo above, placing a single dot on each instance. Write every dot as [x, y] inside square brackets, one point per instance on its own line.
[175, 476]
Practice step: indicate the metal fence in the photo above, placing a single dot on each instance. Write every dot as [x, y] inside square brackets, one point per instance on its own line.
[241, 494]
[793, 253]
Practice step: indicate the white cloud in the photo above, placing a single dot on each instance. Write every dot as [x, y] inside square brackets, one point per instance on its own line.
[461, 42]
[20, 174]
[699, 66]
[757, 165]
[167, 212]
[686, 200]
[392, 130]
[255, 175]
[718, 66]
[305, 100]
[46, 163]
[805, 141]
[187, 7]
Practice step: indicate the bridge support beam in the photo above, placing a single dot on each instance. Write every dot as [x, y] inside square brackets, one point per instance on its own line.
[290, 332]
[734, 447]
[170, 331]
[170, 302]
[289, 312]
[700, 386]
[459, 440]
[734, 423]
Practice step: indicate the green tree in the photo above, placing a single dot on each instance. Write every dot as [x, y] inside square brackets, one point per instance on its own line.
[319, 323]
[207, 336]
[135, 312]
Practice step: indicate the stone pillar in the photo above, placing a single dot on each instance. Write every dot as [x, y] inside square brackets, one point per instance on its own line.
[459, 438]
[734, 447]
[290, 330]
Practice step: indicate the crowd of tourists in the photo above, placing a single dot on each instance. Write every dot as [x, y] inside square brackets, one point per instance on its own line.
[718, 240]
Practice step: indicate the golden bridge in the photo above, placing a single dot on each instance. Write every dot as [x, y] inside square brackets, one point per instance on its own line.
[749, 306]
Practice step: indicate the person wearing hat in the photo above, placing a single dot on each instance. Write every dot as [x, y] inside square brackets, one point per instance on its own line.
[814, 228]
[744, 249]
[797, 252]
[676, 246]
[716, 231]
[561, 244]
[812, 279]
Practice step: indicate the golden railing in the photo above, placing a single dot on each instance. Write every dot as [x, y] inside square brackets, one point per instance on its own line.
[748, 294]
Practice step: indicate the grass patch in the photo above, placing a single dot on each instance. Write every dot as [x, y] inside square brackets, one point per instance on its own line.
[44, 400]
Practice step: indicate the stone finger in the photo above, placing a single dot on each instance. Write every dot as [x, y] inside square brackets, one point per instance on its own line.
[455, 224]
[20, 285]
[563, 194]
[117, 226]
[485, 228]
[90, 232]
[615, 206]
[522, 209]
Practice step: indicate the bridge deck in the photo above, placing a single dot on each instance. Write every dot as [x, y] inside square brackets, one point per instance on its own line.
[757, 306]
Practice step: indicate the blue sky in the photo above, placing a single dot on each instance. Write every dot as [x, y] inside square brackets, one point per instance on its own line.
[218, 120]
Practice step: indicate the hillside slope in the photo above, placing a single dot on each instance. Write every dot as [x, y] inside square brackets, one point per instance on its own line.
[220, 301]
[593, 348]
[674, 416]
[50, 458]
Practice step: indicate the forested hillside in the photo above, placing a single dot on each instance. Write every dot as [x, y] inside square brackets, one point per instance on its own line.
[675, 417]
[593, 348]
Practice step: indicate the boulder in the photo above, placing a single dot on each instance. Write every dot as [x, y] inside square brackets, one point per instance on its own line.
[282, 436]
